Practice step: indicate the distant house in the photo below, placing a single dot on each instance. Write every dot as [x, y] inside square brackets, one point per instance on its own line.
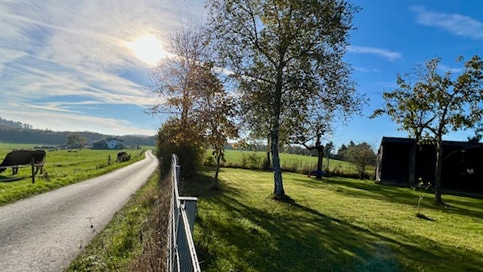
[109, 143]
[462, 163]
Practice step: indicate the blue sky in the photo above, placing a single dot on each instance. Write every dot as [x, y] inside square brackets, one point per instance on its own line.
[79, 65]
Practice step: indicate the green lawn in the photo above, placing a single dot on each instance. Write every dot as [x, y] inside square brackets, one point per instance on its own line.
[336, 224]
[62, 167]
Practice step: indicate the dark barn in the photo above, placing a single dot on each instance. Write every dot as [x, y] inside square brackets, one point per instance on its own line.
[462, 164]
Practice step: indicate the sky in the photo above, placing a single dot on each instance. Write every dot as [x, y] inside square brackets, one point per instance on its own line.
[86, 65]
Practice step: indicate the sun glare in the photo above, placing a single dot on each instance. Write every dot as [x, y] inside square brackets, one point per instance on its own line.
[148, 49]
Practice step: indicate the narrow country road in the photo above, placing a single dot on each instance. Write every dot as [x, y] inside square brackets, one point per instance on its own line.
[46, 232]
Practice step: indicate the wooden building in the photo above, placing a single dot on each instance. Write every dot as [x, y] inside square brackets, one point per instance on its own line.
[462, 164]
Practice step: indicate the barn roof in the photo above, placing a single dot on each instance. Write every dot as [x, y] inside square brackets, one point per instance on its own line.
[446, 143]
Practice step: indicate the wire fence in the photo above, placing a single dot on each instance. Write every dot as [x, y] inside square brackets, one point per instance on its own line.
[182, 253]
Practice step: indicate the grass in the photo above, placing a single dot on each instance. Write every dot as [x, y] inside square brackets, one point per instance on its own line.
[120, 242]
[62, 167]
[291, 162]
[336, 224]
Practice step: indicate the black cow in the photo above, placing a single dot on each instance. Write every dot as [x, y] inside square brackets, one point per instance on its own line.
[22, 157]
[123, 156]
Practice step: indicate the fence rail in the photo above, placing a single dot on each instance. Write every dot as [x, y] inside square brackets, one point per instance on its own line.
[182, 253]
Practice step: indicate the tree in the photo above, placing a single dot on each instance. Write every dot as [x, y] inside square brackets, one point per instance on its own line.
[216, 111]
[329, 147]
[76, 141]
[178, 81]
[408, 106]
[310, 134]
[446, 103]
[285, 48]
[361, 155]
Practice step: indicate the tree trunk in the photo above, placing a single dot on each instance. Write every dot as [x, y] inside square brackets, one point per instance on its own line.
[412, 165]
[266, 163]
[278, 190]
[215, 184]
[320, 158]
[218, 158]
[438, 170]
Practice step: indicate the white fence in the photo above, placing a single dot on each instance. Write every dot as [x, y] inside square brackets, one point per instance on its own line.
[182, 253]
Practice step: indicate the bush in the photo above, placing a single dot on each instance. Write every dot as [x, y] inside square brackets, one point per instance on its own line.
[170, 141]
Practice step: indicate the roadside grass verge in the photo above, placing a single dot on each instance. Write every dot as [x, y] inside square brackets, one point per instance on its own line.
[336, 224]
[120, 243]
[62, 167]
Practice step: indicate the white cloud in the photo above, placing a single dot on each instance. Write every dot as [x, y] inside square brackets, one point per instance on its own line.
[454, 23]
[62, 58]
[366, 70]
[445, 68]
[70, 122]
[390, 55]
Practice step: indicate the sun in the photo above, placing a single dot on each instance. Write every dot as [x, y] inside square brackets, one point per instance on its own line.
[148, 49]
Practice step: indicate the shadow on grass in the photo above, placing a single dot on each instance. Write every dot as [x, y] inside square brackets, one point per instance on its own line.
[287, 236]
[10, 179]
[394, 194]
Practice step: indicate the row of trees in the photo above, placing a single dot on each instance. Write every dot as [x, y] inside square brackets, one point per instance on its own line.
[275, 68]
[281, 61]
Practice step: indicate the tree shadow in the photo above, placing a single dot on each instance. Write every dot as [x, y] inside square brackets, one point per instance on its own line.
[274, 240]
[393, 194]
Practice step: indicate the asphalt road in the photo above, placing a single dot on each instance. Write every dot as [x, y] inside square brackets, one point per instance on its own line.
[46, 232]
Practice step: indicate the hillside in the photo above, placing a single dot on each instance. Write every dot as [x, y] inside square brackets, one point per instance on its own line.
[19, 134]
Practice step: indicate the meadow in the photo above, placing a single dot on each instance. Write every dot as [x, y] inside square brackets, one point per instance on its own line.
[333, 224]
[292, 163]
[62, 167]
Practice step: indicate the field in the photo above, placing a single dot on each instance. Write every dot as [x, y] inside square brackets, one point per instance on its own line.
[291, 162]
[336, 224]
[62, 167]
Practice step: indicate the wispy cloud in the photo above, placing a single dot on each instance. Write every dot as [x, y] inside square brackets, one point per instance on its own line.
[366, 70]
[446, 68]
[456, 24]
[60, 59]
[390, 55]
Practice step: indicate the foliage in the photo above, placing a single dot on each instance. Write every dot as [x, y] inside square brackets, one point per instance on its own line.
[436, 104]
[76, 141]
[217, 111]
[190, 153]
[13, 124]
[290, 163]
[286, 56]
[202, 110]
[336, 224]
[362, 156]
[49, 137]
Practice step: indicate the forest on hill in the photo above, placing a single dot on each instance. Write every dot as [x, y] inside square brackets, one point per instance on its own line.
[17, 132]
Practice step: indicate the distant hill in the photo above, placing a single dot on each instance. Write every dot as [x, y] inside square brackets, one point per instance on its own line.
[19, 133]
[13, 124]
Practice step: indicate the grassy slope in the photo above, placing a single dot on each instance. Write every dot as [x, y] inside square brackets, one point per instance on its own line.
[63, 167]
[332, 225]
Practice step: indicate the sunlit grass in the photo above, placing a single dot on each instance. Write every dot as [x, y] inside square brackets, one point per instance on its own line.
[120, 241]
[62, 167]
[336, 224]
[296, 163]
